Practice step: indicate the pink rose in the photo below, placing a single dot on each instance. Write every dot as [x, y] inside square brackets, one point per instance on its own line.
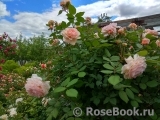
[132, 26]
[152, 32]
[36, 87]
[110, 29]
[158, 43]
[134, 67]
[145, 41]
[121, 31]
[70, 35]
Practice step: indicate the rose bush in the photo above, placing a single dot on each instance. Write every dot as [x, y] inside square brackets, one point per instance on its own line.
[103, 68]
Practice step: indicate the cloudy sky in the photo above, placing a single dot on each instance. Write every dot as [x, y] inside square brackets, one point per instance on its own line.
[29, 17]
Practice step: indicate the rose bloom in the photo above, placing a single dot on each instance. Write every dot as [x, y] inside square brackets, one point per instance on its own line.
[121, 31]
[70, 35]
[132, 26]
[134, 67]
[158, 43]
[13, 112]
[55, 42]
[36, 87]
[4, 117]
[152, 32]
[145, 41]
[64, 4]
[18, 100]
[43, 66]
[45, 101]
[110, 29]
[149, 31]
[88, 20]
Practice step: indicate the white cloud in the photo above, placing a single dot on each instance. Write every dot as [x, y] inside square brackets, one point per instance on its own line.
[29, 23]
[3, 10]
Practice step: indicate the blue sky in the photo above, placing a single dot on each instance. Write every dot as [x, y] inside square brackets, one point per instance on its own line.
[28, 17]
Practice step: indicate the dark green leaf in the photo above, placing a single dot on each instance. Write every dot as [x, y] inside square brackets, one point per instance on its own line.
[55, 112]
[96, 101]
[60, 12]
[72, 9]
[65, 83]
[79, 14]
[134, 103]
[113, 101]
[143, 86]
[129, 93]
[123, 96]
[152, 83]
[106, 100]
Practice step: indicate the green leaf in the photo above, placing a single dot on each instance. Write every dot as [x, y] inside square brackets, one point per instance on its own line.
[142, 53]
[105, 58]
[72, 93]
[60, 12]
[79, 14]
[59, 89]
[113, 101]
[98, 83]
[154, 117]
[143, 86]
[132, 36]
[83, 68]
[120, 86]
[74, 81]
[134, 90]
[106, 71]
[63, 24]
[151, 37]
[152, 83]
[107, 99]
[115, 58]
[77, 118]
[72, 9]
[139, 45]
[129, 93]
[134, 103]
[96, 101]
[70, 118]
[107, 53]
[65, 83]
[123, 96]
[114, 79]
[95, 43]
[49, 117]
[74, 72]
[107, 66]
[81, 74]
[55, 112]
